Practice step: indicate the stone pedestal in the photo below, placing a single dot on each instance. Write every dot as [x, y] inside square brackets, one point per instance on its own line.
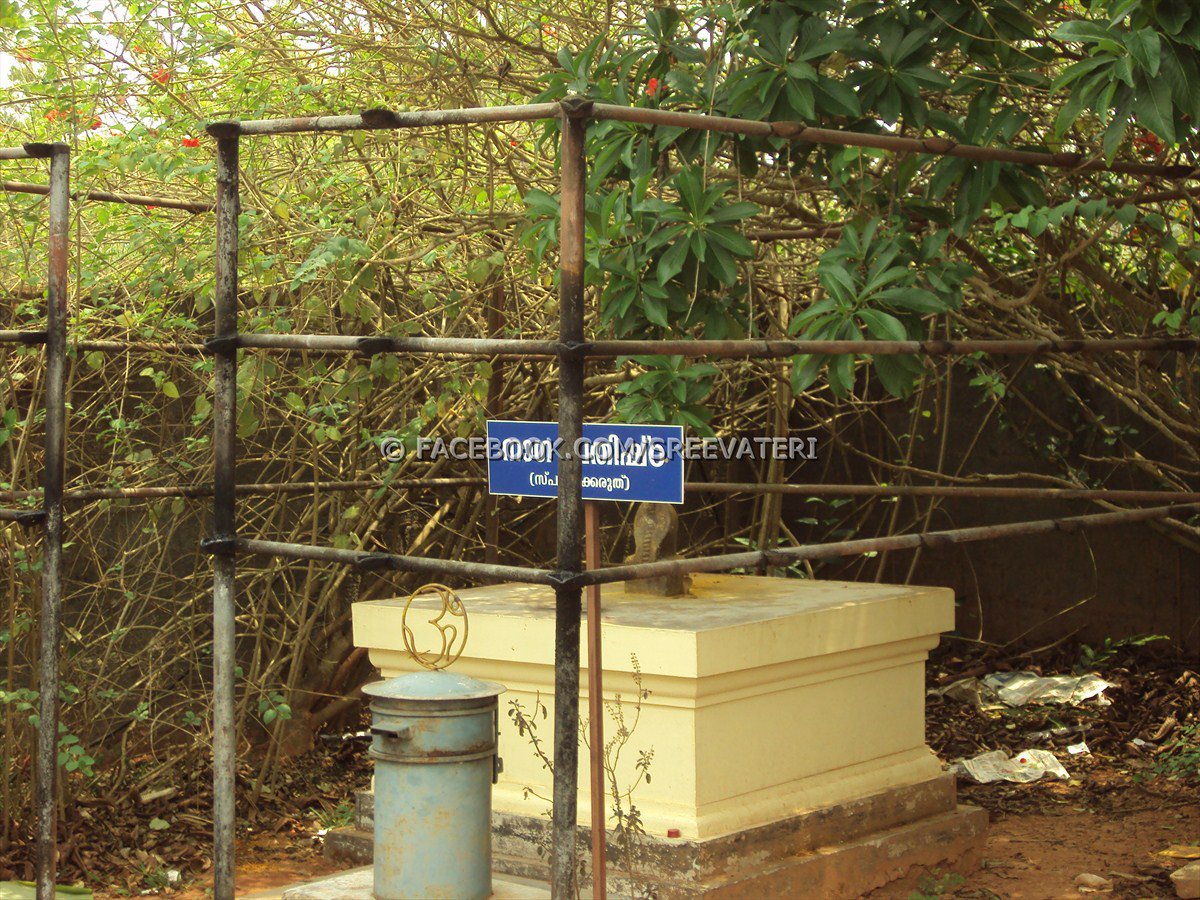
[771, 701]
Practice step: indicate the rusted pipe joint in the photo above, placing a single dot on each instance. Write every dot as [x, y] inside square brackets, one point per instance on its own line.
[562, 578]
[1071, 346]
[224, 545]
[936, 347]
[576, 107]
[221, 345]
[42, 150]
[776, 558]
[1067, 159]
[372, 346]
[373, 562]
[936, 541]
[381, 117]
[224, 129]
[572, 350]
[793, 131]
[941, 145]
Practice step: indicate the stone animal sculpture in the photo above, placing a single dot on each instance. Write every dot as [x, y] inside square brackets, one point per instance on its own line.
[656, 537]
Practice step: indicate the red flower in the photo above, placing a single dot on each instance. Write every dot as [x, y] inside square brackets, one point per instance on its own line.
[513, 142]
[54, 115]
[1148, 144]
[96, 124]
[191, 142]
[651, 87]
[24, 55]
[162, 74]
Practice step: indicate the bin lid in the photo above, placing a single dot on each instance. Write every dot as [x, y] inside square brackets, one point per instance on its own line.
[435, 685]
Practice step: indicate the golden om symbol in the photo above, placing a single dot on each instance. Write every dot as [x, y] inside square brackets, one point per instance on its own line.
[453, 608]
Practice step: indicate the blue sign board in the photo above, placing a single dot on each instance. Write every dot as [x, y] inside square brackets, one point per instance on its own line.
[639, 463]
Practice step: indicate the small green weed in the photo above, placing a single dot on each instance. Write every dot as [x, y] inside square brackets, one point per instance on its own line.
[936, 884]
[341, 816]
[1092, 658]
[1179, 758]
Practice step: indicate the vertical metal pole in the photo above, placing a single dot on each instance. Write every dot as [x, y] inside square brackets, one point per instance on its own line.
[591, 514]
[495, 328]
[224, 512]
[570, 499]
[51, 611]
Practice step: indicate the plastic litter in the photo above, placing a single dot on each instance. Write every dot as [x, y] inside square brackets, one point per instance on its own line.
[1020, 688]
[1006, 689]
[1187, 881]
[996, 765]
[1087, 883]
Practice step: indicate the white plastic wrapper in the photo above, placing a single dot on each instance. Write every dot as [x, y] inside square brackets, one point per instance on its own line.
[996, 765]
[1007, 689]
[1020, 688]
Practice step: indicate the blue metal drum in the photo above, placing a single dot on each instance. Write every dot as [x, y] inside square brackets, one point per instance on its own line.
[434, 745]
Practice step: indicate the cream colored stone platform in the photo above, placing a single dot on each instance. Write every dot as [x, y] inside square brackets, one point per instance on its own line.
[769, 697]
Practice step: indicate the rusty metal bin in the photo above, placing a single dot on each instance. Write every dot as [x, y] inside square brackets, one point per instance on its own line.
[434, 742]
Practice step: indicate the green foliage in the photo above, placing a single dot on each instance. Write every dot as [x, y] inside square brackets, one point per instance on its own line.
[1142, 64]
[273, 706]
[669, 253]
[936, 884]
[1179, 757]
[1102, 655]
[341, 816]
[877, 286]
[669, 390]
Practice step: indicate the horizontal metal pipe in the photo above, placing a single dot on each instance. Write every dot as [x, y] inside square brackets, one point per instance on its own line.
[747, 349]
[381, 119]
[339, 343]
[24, 516]
[105, 346]
[158, 492]
[33, 150]
[422, 564]
[955, 490]
[781, 348]
[22, 337]
[538, 348]
[22, 187]
[87, 495]
[937, 146]
[782, 556]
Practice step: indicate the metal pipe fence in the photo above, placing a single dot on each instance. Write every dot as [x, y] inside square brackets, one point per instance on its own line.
[946, 491]
[53, 495]
[23, 187]
[569, 349]
[50, 516]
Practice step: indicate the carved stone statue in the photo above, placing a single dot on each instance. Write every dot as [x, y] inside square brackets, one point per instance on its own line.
[656, 537]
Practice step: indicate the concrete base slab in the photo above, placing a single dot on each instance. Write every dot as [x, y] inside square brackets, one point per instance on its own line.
[356, 884]
[760, 698]
[840, 851]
